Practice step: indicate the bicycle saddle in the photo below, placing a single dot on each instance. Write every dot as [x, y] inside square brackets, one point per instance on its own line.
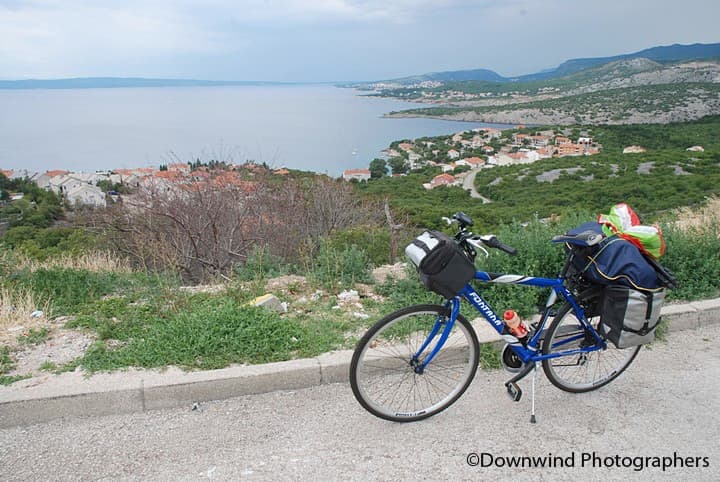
[583, 238]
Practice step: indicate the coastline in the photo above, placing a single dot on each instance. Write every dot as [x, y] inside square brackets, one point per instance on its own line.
[545, 117]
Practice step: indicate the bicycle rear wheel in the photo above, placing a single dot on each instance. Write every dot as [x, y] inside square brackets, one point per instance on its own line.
[582, 372]
[383, 373]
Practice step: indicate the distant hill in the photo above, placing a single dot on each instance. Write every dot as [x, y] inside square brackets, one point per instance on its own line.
[455, 76]
[116, 82]
[671, 53]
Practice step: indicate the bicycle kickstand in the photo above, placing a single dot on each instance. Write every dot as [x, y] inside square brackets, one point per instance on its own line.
[532, 411]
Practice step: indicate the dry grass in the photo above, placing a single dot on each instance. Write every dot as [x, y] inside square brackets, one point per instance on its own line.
[708, 215]
[16, 306]
[96, 262]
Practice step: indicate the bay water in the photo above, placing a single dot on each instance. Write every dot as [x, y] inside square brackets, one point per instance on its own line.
[320, 128]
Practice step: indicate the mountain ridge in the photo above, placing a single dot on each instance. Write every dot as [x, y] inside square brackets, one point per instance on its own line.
[661, 54]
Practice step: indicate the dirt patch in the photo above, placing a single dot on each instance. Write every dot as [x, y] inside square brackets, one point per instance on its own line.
[708, 215]
[397, 271]
[57, 346]
[62, 346]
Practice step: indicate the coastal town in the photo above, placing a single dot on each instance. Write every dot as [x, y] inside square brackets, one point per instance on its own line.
[97, 189]
[454, 155]
[483, 147]
[454, 158]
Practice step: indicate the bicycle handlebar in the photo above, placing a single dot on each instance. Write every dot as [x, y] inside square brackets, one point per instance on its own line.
[465, 237]
[493, 242]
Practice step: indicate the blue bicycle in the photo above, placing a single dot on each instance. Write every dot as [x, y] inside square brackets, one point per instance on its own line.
[419, 360]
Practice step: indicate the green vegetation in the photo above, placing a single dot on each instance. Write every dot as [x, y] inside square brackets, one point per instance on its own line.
[665, 177]
[6, 365]
[195, 331]
[31, 219]
[38, 207]
[34, 336]
[142, 318]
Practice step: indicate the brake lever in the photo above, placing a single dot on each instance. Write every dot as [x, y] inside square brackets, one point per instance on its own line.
[479, 245]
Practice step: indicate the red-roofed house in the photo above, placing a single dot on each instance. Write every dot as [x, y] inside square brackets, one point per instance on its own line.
[474, 161]
[406, 146]
[442, 180]
[569, 149]
[520, 138]
[43, 180]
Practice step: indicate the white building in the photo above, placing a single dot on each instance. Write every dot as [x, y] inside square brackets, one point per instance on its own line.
[65, 183]
[358, 174]
[86, 195]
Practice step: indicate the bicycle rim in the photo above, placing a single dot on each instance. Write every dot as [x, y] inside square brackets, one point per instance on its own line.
[382, 373]
[585, 371]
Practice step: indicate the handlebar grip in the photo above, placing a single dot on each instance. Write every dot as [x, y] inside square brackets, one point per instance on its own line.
[494, 242]
[508, 249]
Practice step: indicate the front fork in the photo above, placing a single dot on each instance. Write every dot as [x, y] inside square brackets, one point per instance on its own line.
[443, 326]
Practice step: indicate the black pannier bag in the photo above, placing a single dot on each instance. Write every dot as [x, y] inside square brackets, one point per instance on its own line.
[629, 316]
[442, 265]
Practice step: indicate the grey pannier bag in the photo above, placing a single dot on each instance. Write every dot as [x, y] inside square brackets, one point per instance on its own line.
[442, 265]
[629, 317]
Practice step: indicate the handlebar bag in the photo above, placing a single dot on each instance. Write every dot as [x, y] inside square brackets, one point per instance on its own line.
[442, 265]
[629, 317]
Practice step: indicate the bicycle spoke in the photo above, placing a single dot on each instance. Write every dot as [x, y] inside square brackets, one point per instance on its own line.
[584, 371]
[390, 383]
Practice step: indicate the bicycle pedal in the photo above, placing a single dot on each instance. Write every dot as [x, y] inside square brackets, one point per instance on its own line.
[514, 391]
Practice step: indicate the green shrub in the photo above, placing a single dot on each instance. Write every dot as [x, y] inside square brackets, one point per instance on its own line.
[211, 333]
[69, 290]
[261, 264]
[34, 336]
[334, 267]
[375, 241]
[694, 258]
[42, 244]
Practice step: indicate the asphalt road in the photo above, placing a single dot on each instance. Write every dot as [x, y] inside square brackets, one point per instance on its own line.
[666, 405]
[469, 185]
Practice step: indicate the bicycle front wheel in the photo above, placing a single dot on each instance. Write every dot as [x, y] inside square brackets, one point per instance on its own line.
[586, 371]
[383, 373]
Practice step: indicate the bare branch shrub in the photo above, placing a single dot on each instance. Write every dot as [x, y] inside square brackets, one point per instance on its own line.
[203, 228]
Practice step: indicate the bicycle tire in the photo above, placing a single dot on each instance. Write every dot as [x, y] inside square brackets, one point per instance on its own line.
[383, 378]
[586, 371]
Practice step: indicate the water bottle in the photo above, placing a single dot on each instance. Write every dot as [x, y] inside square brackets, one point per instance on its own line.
[516, 326]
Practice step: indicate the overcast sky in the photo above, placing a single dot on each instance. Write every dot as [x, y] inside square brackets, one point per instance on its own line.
[331, 40]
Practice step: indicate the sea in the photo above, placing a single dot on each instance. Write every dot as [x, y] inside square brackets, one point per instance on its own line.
[321, 128]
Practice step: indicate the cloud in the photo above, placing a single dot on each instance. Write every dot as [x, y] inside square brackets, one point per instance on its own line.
[42, 36]
[329, 39]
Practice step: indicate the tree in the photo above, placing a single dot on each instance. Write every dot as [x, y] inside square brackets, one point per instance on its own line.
[398, 165]
[378, 168]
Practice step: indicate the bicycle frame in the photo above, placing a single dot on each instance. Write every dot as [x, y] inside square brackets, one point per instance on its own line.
[528, 352]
